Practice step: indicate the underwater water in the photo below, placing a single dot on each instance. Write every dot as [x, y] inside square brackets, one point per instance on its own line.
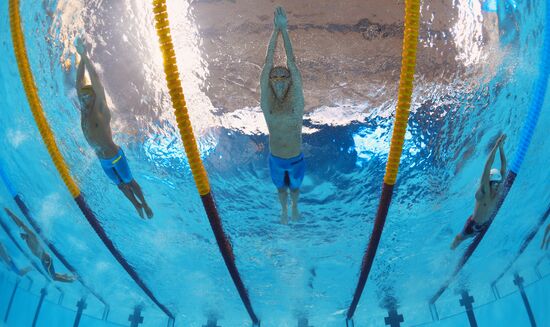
[477, 63]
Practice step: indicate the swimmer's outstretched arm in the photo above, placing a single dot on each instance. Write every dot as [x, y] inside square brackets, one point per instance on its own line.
[4, 254]
[485, 185]
[85, 63]
[268, 65]
[502, 156]
[18, 221]
[290, 59]
[283, 24]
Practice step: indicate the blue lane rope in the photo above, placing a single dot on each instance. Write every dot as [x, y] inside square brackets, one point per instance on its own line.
[537, 100]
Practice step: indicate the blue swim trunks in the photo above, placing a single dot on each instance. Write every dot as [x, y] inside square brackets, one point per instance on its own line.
[472, 228]
[117, 168]
[287, 172]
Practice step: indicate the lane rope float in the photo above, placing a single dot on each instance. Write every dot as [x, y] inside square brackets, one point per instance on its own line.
[408, 64]
[48, 138]
[162, 25]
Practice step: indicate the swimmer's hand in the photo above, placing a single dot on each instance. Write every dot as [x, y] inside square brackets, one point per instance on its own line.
[280, 19]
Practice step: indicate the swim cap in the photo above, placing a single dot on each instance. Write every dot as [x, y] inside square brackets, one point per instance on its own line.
[495, 175]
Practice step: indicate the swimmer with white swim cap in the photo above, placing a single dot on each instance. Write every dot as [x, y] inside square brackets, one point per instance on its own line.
[487, 195]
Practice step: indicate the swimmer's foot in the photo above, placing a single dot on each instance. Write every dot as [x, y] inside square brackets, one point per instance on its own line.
[139, 209]
[456, 242]
[64, 278]
[24, 271]
[148, 211]
[284, 217]
[295, 213]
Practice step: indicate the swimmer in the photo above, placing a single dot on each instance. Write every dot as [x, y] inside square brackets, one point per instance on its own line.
[95, 122]
[487, 195]
[36, 249]
[546, 238]
[282, 103]
[9, 262]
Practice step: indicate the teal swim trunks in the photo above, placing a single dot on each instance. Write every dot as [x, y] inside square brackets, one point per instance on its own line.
[117, 168]
[287, 172]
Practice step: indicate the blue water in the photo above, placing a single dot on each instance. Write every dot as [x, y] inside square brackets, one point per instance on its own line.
[307, 269]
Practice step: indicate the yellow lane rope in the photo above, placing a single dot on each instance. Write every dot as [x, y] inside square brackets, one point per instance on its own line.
[408, 63]
[162, 26]
[33, 99]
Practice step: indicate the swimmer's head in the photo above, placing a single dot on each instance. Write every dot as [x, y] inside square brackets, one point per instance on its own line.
[495, 179]
[86, 96]
[495, 176]
[279, 79]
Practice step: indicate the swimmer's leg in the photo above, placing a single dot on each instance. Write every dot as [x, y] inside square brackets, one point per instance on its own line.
[24, 271]
[467, 232]
[130, 195]
[48, 264]
[64, 278]
[283, 198]
[294, 195]
[458, 239]
[16, 270]
[136, 189]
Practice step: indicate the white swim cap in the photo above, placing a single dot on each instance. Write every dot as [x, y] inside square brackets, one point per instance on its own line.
[495, 175]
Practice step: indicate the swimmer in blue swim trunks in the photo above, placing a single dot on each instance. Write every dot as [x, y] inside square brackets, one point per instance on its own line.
[36, 248]
[282, 103]
[96, 126]
[9, 262]
[487, 195]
